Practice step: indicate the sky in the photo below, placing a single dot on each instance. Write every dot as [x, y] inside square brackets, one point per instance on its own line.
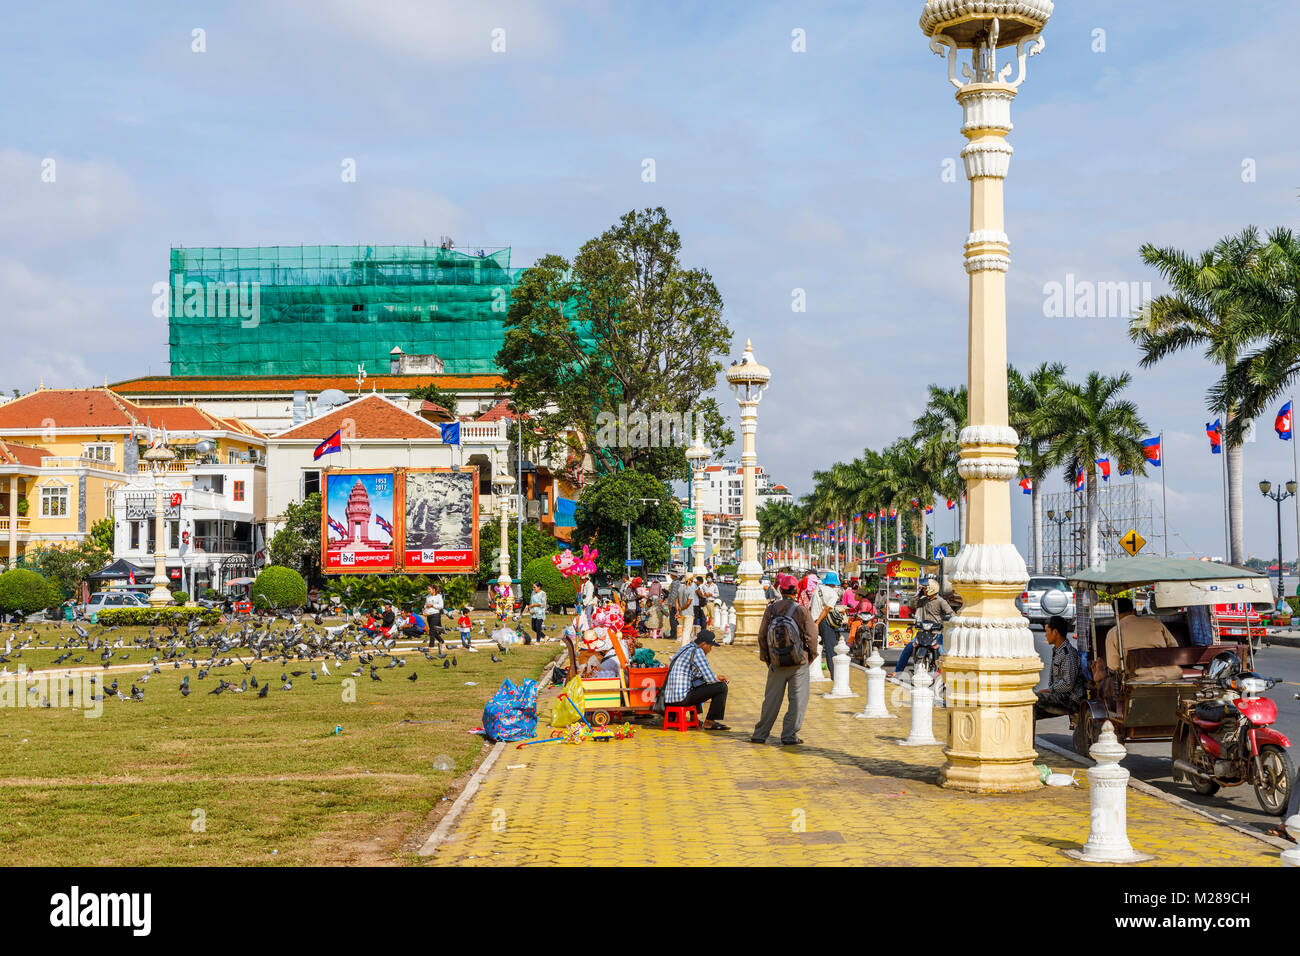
[821, 170]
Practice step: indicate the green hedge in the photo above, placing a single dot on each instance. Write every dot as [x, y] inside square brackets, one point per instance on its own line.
[180, 597]
[279, 588]
[24, 592]
[152, 616]
[558, 588]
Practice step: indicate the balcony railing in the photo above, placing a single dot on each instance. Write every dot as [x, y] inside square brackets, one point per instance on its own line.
[6, 525]
[173, 467]
[216, 544]
[77, 461]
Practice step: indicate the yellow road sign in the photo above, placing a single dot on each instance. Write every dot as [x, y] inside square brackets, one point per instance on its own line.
[1132, 542]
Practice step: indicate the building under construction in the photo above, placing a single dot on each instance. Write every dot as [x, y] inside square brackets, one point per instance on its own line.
[325, 310]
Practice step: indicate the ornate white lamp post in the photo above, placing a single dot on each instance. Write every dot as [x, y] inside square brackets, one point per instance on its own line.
[990, 664]
[502, 484]
[158, 458]
[748, 380]
[698, 456]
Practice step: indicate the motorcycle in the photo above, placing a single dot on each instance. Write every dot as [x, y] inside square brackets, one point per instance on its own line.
[1223, 737]
[870, 635]
[926, 649]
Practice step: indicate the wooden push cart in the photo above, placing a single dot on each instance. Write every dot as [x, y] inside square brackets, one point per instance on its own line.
[629, 696]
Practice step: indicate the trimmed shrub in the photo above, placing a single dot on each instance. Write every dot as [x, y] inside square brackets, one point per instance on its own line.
[24, 592]
[279, 588]
[180, 597]
[152, 616]
[212, 594]
[558, 588]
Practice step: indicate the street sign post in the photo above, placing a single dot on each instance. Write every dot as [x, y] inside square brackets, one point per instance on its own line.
[633, 562]
[940, 552]
[1132, 542]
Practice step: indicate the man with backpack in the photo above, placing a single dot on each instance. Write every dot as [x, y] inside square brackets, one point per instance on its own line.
[787, 638]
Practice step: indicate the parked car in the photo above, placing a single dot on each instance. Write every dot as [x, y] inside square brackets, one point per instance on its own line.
[727, 579]
[106, 599]
[1030, 601]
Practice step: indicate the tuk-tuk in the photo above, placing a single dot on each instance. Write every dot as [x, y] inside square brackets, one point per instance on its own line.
[1184, 593]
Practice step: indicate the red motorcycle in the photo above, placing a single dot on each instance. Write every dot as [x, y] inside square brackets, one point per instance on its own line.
[1223, 737]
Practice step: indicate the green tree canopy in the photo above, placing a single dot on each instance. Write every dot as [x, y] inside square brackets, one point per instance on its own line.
[609, 501]
[624, 324]
[297, 544]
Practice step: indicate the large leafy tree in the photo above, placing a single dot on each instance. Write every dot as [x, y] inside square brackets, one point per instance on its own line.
[1088, 421]
[1210, 307]
[623, 324]
[1028, 397]
[66, 568]
[297, 544]
[610, 503]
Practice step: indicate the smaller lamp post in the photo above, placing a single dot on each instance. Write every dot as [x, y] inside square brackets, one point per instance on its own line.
[748, 380]
[1059, 520]
[1278, 496]
[158, 458]
[698, 456]
[502, 484]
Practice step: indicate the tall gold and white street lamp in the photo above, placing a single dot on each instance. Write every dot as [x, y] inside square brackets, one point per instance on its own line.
[698, 456]
[158, 458]
[503, 484]
[748, 380]
[990, 664]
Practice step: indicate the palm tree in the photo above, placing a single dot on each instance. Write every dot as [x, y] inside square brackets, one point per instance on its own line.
[937, 430]
[1209, 307]
[1027, 399]
[1089, 421]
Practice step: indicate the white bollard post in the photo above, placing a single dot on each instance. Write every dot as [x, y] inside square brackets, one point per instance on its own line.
[921, 731]
[1291, 857]
[1108, 805]
[841, 667]
[815, 667]
[874, 706]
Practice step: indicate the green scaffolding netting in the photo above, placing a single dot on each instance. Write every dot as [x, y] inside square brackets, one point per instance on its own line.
[323, 310]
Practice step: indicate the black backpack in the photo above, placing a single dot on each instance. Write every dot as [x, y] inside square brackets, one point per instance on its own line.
[785, 639]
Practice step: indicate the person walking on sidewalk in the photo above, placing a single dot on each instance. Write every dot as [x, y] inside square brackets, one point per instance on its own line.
[670, 604]
[691, 681]
[537, 611]
[686, 599]
[786, 643]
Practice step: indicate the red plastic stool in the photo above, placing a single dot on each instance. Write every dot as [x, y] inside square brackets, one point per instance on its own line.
[680, 717]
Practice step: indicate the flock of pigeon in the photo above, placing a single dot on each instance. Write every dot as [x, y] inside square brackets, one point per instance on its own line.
[305, 643]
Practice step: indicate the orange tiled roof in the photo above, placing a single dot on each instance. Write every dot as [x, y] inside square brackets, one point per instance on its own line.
[66, 408]
[14, 453]
[498, 411]
[242, 384]
[371, 417]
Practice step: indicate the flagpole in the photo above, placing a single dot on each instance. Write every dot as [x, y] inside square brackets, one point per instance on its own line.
[1295, 474]
[1164, 500]
[1223, 470]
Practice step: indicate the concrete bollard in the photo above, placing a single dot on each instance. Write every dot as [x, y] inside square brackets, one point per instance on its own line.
[921, 731]
[1291, 857]
[841, 667]
[1108, 805]
[815, 667]
[874, 707]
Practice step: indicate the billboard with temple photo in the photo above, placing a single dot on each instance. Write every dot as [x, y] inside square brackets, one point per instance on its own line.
[440, 520]
[357, 521]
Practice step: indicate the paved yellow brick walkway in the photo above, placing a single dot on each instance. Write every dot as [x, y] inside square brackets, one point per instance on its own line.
[850, 795]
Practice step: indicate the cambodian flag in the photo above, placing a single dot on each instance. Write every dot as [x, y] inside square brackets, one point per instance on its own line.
[915, 503]
[1027, 486]
[1125, 471]
[379, 520]
[951, 504]
[130, 574]
[929, 509]
[1216, 439]
[335, 526]
[893, 512]
[1104, 465]
[1283, 424]
[332, 444]
[1151, 448]
[1078, 480]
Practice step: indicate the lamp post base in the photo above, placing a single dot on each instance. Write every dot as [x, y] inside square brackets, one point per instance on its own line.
[750, 605]
[991, 720]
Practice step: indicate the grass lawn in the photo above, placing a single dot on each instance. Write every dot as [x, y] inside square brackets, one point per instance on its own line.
[234, 779]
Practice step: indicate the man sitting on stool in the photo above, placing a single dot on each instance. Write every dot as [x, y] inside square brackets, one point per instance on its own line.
[691, 681]
[1064, 691]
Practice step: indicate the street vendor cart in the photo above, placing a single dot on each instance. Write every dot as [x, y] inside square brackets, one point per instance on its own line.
[629, 696]
[1184, 592]
[900, 576]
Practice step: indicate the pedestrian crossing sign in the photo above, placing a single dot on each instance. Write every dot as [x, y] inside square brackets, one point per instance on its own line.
[1132, 542]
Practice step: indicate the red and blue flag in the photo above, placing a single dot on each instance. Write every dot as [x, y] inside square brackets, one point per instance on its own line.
[1027, 486]
[1151, 448]
[335, 526]
[1104, 465]
[328, 446]
[1078, 480]
[379, 520]
[1214, 433]
[1283, 423]
[951, 504]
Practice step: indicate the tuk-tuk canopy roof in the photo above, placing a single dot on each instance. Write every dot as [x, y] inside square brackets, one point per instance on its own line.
[1132, 572]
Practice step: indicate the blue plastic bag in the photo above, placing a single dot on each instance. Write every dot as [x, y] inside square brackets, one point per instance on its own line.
[511, 713]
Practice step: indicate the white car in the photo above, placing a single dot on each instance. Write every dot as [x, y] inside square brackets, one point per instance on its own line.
[107, 599]
[1030, 601]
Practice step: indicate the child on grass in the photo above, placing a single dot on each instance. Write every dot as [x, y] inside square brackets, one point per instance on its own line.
[464, 624]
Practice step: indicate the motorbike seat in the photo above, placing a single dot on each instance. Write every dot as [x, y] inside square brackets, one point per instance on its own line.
[1207, 724]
